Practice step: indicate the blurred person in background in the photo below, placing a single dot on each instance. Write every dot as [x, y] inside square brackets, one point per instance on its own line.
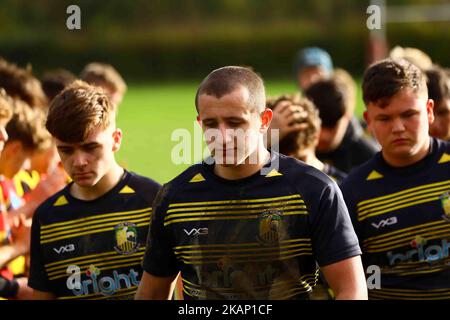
[438, 84]
[302, 144]
[107, 77]
[342, 142]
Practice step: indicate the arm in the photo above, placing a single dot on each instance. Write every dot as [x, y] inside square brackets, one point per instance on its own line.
[346, 278]
[20, 230]
[155, 288]
[9, 253]
[42, 295]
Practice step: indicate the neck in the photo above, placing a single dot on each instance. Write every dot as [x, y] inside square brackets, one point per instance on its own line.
[245, 169]
[105, 184]
[408, 160]
[310, 159]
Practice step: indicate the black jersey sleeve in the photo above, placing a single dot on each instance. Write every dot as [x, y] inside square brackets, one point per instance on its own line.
[145, 187]
[332, 233]
[38, 278]
[159, 259]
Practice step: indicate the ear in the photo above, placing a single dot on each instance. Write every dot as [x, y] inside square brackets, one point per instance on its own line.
[198, 120]
[117, 139]
[266, 119]
[430, 111]
[367, 119]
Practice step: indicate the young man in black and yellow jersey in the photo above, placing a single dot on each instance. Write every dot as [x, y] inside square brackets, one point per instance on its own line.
[248, 223]
[88, 240]
[399, 200]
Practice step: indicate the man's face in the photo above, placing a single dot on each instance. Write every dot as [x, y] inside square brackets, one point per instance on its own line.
[310, 75]
[87, 162]
[232, 131]
[440, 128]
[331, 137]
[401, 127]
[13, 158]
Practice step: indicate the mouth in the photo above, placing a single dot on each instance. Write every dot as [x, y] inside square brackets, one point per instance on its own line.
[400, 141]
[82, 175]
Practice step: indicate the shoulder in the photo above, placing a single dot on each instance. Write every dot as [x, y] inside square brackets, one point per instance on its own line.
[360, 174]
[46, 209]
[303, 177]
[143, 186]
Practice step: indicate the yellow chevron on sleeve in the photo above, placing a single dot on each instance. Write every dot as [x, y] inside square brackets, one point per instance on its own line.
[374, 175]
[61, 201]
[197, 178]
[445, 158]
[127, 189]
[273, 173]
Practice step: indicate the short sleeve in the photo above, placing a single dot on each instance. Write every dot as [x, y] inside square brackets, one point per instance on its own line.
[159, 258]
[333, 236]
[38, 278]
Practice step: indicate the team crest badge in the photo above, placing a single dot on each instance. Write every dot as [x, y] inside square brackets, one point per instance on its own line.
[126, 238]
[270, 224]
[445, 202]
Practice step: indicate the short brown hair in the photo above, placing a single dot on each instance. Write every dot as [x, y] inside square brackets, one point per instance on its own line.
[77, 110]
[301, 139]
[54, 81]
[20, 83]
[384, 79]
[438, 84]
[98, 74]
[225, 80]
[5, 106]
[27, 126]
[332, 98]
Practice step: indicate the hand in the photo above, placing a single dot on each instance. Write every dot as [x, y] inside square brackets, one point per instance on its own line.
[288, 118]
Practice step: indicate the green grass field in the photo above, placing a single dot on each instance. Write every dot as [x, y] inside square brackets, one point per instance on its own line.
[148, 116]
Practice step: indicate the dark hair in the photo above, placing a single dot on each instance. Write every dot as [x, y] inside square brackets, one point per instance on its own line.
[77, 110]
[331, 99]
[384, 79]
[306, 137]
[20, 83]
[54, 81]
[225, 80]
[438, 84]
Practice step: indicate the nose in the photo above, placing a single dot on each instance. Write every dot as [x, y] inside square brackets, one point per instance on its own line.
[3, 134]
[226, 133]
[79, 159]
[398, 125]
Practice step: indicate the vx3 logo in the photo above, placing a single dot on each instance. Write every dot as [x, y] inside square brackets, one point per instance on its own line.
[384, 223]
[196, 232]
[65, 249]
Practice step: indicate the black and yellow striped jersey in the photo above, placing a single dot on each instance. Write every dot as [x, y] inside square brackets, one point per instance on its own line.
[402, 219]
[92, 249]
[252, 238]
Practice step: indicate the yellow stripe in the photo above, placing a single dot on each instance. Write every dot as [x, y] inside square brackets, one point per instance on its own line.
[277, 248]
[92, 227]
[193, 214]
[88, 232]
[271, 204]
[410, 204]
[102, 269]
[64, 266]
[234, 256]
[250, 260]
[395, 205]
[190, 204]
[89, 223]
[245, 244]
[404, 198]
[397, 194]
[253, 216]
[432, 235]
[410, 229]
[94, 217]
